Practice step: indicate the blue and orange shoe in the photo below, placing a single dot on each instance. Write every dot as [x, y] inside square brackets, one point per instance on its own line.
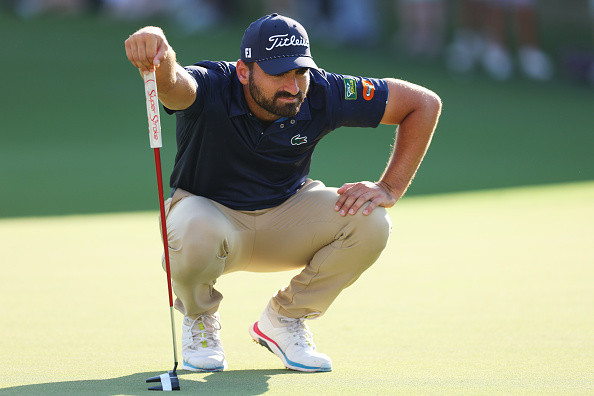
[291, 340]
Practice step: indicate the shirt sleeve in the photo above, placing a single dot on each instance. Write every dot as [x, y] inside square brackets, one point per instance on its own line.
[204, 76]
[356, 101]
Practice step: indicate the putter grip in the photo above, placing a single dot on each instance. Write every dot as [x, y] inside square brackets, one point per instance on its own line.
[152, 109]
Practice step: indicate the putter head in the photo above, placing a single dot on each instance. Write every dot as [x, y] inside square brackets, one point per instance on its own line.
[169, 382]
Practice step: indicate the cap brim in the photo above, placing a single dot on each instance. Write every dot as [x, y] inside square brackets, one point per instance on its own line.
[281, 65]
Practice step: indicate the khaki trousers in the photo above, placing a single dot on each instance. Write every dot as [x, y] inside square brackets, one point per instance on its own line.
[207, 240]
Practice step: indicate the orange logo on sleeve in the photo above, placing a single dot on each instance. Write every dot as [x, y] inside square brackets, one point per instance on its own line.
[368, 90]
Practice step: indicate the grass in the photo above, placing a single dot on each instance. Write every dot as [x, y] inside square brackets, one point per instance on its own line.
[477, 293]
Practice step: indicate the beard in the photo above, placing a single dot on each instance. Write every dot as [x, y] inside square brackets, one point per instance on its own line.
[271, 105]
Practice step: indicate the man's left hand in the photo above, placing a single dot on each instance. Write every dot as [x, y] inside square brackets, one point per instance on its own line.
[355, 195]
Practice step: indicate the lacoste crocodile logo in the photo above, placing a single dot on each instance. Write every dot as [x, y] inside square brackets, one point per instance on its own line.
[298, 139]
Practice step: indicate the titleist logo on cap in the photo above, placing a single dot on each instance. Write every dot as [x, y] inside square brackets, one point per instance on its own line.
[283, 40]
[278, 44]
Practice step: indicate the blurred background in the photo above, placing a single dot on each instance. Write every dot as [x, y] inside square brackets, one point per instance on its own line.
[516, 78]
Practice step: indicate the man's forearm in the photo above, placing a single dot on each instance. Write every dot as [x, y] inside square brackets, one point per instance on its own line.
[166, 72]
[413, 137]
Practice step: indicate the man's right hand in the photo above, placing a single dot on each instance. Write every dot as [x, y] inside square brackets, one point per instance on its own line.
[147, 48]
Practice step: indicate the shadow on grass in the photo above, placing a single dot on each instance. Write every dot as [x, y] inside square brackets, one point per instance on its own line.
[238, 382]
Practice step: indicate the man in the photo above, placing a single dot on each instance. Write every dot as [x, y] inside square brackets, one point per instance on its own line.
[242, 200]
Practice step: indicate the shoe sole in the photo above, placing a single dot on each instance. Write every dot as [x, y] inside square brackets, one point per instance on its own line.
[189, 367]
[273, 347]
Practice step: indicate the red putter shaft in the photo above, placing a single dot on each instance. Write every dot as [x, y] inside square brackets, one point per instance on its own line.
[163, 222]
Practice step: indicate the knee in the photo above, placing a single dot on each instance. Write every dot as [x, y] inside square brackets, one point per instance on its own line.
[373, 231]
[366, 238]
[201, 233]
[197, 247]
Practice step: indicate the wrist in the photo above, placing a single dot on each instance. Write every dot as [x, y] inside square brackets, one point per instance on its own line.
[390, 188]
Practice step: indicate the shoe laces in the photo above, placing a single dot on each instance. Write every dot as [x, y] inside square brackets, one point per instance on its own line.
[300, 330]
[204, 330]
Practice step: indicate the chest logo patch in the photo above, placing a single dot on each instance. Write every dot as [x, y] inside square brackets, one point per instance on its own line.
[298, 139]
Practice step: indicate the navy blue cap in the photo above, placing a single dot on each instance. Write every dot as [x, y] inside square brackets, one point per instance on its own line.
[278, 44]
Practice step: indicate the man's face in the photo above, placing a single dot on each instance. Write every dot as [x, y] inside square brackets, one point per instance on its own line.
[279, 95]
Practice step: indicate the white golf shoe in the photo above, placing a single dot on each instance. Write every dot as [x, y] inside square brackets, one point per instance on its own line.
[201, 344]
[290, 340]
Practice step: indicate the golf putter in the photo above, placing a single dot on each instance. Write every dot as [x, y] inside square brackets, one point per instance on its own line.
[169, 380]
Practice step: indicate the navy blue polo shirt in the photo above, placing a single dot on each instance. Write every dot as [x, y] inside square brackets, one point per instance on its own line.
[225, 154]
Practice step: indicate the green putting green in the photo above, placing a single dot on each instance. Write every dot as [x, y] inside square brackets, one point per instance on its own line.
[477, 293]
